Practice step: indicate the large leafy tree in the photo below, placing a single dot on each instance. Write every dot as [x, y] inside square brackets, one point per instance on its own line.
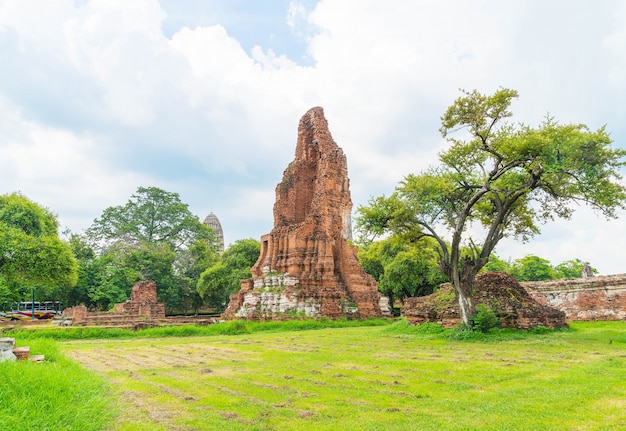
[31, 252]
[498, 180]
[153, 236]
[533, 268]
[152, 216]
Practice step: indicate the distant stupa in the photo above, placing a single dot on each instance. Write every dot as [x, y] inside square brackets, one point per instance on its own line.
[214, 223]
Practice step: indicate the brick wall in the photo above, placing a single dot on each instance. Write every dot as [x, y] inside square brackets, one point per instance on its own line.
[592, 298]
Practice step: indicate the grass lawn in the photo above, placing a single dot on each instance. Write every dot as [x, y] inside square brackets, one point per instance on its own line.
[57, 394]
[366, 378]
[265, 377]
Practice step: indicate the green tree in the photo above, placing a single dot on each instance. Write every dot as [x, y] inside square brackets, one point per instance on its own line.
[150, 237]
[218, 282]
[31, 253]
[151, 216]
[533, 268]
[411, 273]
[572, 269]
[502, 178]
[87, 271]
[375, 255]
[497, 264]
[191, 263]
[402, 268]
[7, 296]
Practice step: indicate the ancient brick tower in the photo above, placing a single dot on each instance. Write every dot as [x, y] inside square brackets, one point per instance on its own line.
[306, 266]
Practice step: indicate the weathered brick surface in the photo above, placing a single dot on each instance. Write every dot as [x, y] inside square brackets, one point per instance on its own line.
[309, 241]
[592, 298]
[77, 313]
[143, 301]
[512, 304]
[141, 308]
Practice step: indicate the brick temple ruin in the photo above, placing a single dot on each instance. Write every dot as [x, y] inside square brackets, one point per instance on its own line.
[141, 310]
[306, 266]
[513, 305]
[534, 303]
[141, 307]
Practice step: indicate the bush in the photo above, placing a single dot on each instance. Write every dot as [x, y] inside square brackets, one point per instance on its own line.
[484, 319]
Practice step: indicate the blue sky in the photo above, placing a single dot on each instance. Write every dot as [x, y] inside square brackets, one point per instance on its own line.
[203, 98]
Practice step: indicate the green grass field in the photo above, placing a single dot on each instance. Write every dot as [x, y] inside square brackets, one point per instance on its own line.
[347, 378]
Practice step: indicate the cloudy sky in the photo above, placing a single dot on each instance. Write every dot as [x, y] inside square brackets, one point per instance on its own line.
[203, 97]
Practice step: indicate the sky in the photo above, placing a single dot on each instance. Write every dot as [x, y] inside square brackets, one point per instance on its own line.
[203, 98]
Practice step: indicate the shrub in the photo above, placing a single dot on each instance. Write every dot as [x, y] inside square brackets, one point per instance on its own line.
[484, 319]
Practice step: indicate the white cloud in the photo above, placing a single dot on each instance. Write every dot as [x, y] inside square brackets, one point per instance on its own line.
[60, 169]
[96, 100]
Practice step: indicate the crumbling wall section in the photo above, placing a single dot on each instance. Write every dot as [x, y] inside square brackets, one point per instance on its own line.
[143, 301]
[502, 293]
[591, 298]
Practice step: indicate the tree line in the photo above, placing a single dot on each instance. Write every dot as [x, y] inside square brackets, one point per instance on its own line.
[404, 268]
[153, 236]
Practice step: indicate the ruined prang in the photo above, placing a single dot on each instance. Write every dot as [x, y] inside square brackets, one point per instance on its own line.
[306, 266]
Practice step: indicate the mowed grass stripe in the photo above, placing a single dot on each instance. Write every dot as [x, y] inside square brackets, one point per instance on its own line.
[365, 378]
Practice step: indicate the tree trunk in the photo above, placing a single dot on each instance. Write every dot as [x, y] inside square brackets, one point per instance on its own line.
[463, 296]
[463, 282]
[466, 308]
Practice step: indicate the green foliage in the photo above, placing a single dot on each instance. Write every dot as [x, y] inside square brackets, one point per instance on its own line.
[571, 269]
[532, 268]
[497, 265]
[411, 273]
[375, 255]
[7, 295]
[153, 236]
[219, 281]
[401, 267]
[17, 211]
[151, 216]
[535, 268]
[506, 179]
[31, 252]
[484, 319]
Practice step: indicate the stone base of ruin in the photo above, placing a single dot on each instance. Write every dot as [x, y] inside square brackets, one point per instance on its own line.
[140, 311]
[502, 293]
[280, 296]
